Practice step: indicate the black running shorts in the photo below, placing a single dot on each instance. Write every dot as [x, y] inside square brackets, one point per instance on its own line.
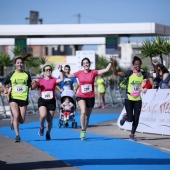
[20, 103]
[89, 101]
[49, 104]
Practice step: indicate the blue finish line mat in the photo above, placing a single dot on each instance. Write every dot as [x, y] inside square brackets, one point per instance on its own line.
[97, 152]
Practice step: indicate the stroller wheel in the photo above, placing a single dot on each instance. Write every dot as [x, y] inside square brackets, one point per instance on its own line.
[59, 124]
[66, 124]
[75, 125]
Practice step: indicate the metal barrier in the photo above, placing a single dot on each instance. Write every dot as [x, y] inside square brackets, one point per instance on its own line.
[113, 98]
[5, 110]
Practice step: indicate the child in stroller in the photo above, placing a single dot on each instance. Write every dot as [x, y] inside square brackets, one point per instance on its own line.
[67, 110]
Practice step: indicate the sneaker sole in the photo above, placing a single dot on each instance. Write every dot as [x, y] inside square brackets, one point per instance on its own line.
[16, 141]
[48, 139]
[83, 138]
[133, 140]
[40, 134]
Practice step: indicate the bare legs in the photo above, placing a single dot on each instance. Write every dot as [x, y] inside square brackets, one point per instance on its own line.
[103, 99]
[46, 115]
[85, 114]
[18, 115]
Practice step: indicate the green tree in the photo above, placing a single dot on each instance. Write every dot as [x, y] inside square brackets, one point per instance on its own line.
[42, 60]
[52, 66]
[154, 47]
[166, 50]
[159, 46]
[17, 51]
[148, 49]
[102, 63]
[5, 60]
[32, 62]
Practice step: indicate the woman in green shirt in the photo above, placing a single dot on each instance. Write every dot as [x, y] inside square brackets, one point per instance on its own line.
[20, 82]
[101, 89]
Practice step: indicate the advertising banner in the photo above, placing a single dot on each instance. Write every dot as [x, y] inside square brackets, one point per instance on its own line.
[73, 61]
[155, 113]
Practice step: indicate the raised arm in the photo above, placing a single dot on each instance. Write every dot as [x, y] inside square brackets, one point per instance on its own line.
[105, 69]
[69, 75]
[61, 74]
[114, 68]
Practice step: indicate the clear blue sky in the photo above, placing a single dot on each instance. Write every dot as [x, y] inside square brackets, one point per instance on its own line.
[91, 11]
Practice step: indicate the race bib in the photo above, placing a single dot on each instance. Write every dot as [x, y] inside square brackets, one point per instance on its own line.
[20, 89]
[135, 90]
[136, 87]
[86, 88]
[47, 95]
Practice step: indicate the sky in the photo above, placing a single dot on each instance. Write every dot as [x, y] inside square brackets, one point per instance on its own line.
[91, 11]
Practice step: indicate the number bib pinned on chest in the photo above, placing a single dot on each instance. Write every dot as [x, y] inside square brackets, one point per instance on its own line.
[47, 95]
[86, 88]
[20, 89]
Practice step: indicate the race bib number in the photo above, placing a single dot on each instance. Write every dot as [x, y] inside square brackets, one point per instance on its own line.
[20, 89]
[86, 88]
[136, 87]
[47, 95]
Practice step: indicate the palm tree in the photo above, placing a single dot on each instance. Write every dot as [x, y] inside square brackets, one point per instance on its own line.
[42, 60]
[148, 49]
[17, 51]
[166, 50]
[38, 70]
[52, 66]
[159, 46]
[32, 62]
[5, 60]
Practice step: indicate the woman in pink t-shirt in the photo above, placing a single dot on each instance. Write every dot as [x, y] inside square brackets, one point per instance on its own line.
[85, 96]
[47, 101]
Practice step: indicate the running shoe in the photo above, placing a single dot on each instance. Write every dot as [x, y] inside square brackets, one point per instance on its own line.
[41, 132]
[48, 136]
[123, 119]
[83, 135]
[132, 137]
[17, 139]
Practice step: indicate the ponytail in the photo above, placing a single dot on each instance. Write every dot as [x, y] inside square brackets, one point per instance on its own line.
[23, 57]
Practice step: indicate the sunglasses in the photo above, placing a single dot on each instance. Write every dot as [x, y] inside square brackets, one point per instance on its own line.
[48, 69]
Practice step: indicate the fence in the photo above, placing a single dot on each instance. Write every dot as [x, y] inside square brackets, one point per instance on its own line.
[113, 97]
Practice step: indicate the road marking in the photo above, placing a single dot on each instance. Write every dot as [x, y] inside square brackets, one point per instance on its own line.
[145, 143]
[165, 149]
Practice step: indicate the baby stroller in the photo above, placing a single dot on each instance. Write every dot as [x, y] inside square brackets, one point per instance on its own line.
[70, 94]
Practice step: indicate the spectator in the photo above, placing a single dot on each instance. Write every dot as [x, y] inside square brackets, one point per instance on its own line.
[165, 77]
[101, 89]
[73, 81]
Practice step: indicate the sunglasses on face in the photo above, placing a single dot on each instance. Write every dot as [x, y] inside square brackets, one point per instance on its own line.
[48, 69]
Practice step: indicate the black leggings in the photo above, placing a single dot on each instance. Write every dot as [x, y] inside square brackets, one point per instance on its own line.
[133, 109]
